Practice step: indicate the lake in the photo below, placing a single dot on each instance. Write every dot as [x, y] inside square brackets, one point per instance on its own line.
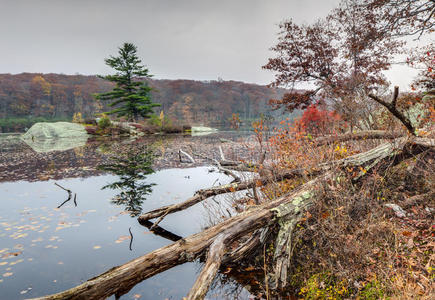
[48, 244]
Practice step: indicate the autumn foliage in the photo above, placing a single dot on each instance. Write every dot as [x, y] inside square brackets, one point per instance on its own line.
[318, 121]
[339, 56]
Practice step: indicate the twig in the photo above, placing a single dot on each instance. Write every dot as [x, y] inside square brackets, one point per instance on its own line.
[254, 193]
[265, 272]
[222, 153]
[69, 191]
[227, 171]
[186, 154]
[159, 220]
[131, 238]
[69, 198]
[219, 166]
[69, 195]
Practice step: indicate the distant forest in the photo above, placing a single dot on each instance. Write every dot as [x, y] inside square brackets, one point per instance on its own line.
[56, 96]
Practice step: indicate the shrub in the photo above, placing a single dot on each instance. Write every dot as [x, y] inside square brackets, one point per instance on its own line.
[104, 122]
[77, 118]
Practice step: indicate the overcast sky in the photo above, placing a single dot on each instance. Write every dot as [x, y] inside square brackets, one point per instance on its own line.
[188, 39]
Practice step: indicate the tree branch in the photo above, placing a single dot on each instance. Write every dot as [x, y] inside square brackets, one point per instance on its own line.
[392, 108]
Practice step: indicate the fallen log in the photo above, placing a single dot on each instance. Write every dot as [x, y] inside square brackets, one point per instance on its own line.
[119, 280]
[289, 208]
[367, 159]
[214, 191]
[357, 136]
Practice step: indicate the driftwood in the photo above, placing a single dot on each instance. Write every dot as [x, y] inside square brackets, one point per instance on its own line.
[369, 159]
[284, 211]
[185, 154]
[119, 280]
[219, 165]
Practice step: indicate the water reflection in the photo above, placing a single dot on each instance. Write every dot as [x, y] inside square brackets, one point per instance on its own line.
[132, 169]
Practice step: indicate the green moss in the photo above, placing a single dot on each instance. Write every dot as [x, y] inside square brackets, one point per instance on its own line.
[324, 286]
[372, 291]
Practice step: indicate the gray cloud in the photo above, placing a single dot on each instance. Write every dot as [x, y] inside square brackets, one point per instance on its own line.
[193, 39]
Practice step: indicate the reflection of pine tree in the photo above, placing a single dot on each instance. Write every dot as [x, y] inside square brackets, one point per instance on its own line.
[132, 169]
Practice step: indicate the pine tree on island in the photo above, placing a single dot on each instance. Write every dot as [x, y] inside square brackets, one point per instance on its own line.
[131, 97]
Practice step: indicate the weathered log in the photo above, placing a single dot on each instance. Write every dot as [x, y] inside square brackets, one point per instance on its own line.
[209, 270]
[214, 191]
[367, 159]
[219, 165]
[198, 197]
[357, 136]
[121, 279]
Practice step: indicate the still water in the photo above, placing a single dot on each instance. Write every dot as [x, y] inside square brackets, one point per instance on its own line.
[45, 248]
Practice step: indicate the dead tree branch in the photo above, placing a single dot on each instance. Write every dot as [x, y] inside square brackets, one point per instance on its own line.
[362, 135]
[393, 109]
[185, 154]
[285, 210]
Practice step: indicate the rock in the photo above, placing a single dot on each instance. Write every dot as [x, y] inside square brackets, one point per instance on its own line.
[59, 136]
[397, 210]
[58, 144]
[54, 131]
[203, 129]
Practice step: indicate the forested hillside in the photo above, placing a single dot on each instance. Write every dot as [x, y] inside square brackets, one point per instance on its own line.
[60, 96]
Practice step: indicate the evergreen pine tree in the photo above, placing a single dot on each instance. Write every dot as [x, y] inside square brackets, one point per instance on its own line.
[131, 95]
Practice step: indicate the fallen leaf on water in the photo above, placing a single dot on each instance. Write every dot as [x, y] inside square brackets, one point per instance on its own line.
[3, 263]
[97, 247]
[7, 274]
[122, 238]
[137, 296]
[16, 262]
[6, 255]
